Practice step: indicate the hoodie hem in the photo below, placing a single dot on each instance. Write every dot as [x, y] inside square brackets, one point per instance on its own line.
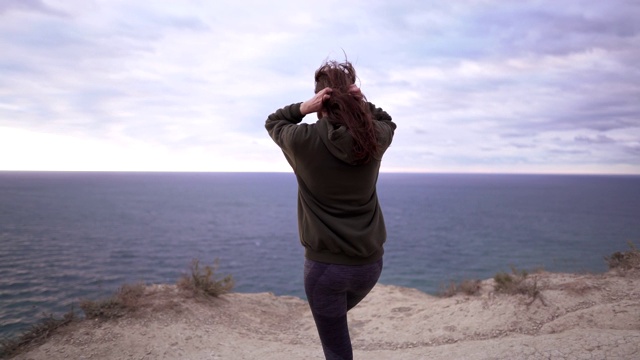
[342, 259]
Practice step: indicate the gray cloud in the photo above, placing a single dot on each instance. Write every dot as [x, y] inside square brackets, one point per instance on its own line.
[502, 85]
[633, 150]
[600, 139]
[37, 6]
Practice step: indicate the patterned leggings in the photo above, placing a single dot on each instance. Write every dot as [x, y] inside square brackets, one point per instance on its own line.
[332, 290]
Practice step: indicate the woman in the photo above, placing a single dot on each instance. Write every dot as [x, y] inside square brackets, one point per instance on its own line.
[336, 162]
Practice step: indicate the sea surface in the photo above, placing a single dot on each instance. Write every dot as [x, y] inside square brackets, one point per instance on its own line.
[66, 236]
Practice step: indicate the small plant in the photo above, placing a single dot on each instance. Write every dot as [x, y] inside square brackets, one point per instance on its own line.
[448, 290]
[509, 283]
[470, 287]
[203, 282]
[35, 334]
[624, 261]
[518, 282]
[503, 282]
[467, 287]
[124, 301]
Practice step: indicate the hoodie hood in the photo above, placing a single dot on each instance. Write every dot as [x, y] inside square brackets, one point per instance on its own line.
[339, 141]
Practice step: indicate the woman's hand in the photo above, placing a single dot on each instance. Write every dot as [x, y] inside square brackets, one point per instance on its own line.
[315, 103]
[354, 91]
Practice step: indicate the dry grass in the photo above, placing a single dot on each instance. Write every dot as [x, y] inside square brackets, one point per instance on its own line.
[36, 334]
[578, 287]
[202, 282]
[448, 290]
[466, 287]
[518, 282]
[128, 299]
[124, 301]
[624, 261]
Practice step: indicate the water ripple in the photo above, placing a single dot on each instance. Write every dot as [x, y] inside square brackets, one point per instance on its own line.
[69, 236]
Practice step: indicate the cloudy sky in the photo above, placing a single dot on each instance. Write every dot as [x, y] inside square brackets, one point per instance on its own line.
[475, 86]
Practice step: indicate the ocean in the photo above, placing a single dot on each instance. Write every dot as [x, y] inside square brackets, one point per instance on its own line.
[66, 236]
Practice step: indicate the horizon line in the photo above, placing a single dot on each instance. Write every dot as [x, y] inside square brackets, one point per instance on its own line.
[291, 172]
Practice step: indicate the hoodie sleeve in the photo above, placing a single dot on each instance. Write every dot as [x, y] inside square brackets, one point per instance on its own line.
[384, 123]
[281, 125]
[283, 129]
[378, 113]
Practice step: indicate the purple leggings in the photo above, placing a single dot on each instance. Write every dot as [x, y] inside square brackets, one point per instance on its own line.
[332, 290]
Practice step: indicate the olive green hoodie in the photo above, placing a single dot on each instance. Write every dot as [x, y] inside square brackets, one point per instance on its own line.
[339, 217]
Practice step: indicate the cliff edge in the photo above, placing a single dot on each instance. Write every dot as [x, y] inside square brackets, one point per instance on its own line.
[568, 316]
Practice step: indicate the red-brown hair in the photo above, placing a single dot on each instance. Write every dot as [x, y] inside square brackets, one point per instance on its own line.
[348, 109]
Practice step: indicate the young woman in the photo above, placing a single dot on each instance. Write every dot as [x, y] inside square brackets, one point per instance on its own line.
[336, 162]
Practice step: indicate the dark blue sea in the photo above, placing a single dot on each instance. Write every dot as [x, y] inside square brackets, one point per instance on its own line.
[72, 235]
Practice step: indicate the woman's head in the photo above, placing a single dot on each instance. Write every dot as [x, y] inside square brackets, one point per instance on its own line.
[347, 108]
[338, 76]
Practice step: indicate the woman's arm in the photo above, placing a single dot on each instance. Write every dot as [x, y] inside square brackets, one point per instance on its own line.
[281, 125]
[315, 104]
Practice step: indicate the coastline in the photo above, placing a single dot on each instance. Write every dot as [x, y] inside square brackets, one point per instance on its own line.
[573, 316]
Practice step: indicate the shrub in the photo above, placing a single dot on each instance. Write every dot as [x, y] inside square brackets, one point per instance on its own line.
[203, 282]
[518, 282]
[627, 260]
[467, 287]
[470, 287]
[124, 301]
[510, 283]
[127, 299]
[36, 334]
[448, 290]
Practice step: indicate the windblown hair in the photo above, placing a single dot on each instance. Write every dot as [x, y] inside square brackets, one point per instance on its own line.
[348, 109]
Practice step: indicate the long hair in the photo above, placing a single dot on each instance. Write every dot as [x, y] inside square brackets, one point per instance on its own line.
[347, 109]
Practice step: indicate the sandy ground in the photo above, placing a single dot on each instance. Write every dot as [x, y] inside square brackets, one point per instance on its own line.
[577, 317]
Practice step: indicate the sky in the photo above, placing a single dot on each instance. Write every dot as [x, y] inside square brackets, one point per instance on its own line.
[475, 86]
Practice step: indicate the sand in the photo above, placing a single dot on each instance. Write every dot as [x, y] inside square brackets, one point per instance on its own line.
[582, 316]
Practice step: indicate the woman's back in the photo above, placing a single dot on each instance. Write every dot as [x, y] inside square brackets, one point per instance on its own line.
[336, 161]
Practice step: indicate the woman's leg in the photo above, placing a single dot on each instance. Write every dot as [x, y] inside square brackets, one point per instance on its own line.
[332, 290]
